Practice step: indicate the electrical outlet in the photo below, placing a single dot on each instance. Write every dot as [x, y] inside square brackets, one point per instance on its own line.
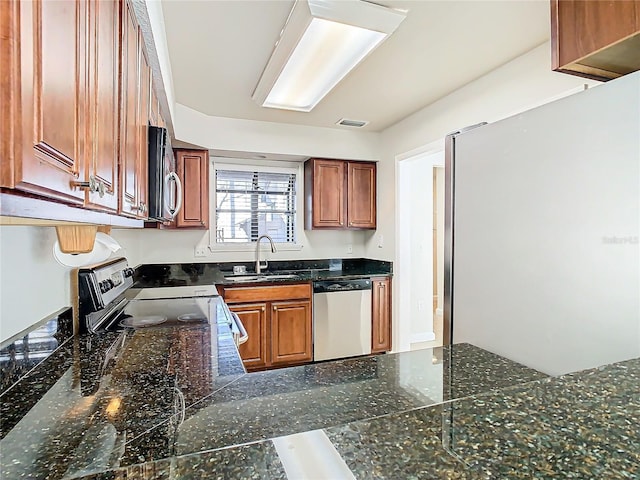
[349, 248]
[200, 252]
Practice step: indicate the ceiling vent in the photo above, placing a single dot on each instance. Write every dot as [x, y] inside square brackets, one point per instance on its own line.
[351, 123]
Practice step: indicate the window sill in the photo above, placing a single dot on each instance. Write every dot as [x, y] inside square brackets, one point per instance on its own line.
[251, 247]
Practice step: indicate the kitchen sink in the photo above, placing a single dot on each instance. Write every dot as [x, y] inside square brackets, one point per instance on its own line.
[261, 277]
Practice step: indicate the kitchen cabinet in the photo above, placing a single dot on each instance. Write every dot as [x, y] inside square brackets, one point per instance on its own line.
[104, 109]
[254, 350]
[76, 123]
[192, 166]
[340, 194]
[135, 113]
[50, 103]
[279, 323]
[595, 39]
[380, 314]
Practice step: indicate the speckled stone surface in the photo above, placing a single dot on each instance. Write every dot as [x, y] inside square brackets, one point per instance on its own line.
[76, 412]
[189, 274]
[110, 406]
[584, 425]
[580, 426]
[266, 404]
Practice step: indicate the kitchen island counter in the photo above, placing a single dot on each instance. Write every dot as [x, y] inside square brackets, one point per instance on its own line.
[448, 412]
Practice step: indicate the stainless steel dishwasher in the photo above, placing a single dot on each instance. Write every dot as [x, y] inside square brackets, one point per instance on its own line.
[341, 318]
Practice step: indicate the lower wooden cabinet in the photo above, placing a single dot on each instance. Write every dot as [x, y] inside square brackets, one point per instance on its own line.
[291, 334]
[381, 315]
[254, 318]
[278, 320]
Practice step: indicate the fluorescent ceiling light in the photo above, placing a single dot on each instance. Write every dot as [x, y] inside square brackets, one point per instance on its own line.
[322, 41]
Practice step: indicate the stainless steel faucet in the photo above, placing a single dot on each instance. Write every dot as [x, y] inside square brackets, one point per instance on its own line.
[259, 266]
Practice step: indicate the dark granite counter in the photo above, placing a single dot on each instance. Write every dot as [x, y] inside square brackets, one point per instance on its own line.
[159, 403]
[194, 274]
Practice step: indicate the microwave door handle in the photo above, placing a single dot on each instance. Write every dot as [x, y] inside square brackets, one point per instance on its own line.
[174, 176]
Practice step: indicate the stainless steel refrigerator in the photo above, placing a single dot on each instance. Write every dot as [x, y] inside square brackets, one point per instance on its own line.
[542, 218]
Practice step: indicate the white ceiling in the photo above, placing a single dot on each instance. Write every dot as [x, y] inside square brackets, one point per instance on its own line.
[218, 49]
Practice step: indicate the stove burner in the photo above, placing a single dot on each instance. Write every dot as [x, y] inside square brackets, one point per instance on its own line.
[192, 317]
[138, 322]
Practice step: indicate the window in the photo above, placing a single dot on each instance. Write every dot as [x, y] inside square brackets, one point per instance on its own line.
[252, 202]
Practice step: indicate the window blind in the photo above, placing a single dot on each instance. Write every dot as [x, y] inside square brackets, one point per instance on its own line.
[250, 204]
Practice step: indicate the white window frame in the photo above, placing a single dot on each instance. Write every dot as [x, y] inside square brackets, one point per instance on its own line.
[268, 167]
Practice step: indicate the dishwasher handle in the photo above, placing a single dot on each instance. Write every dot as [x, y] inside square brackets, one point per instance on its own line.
[329, 286]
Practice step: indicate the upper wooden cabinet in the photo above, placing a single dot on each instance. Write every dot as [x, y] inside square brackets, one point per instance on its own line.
[192, 166]
[49, 148]
[75, 104]
[339, 194]
[595, 39]
[103, 133]
[135, 116]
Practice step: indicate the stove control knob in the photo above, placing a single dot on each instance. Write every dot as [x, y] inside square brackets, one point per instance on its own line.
[106, 285]
[128, 272]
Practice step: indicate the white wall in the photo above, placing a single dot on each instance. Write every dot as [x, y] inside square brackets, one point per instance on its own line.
[159, 246]
[519, 85]
[32, 284]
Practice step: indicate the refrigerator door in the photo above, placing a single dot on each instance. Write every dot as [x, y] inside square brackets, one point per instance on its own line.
[543, 259]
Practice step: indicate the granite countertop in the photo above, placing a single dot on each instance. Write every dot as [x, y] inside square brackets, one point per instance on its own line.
[194, 274]
[107, 406]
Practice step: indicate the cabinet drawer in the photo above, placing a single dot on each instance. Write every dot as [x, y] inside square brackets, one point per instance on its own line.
[267, 293]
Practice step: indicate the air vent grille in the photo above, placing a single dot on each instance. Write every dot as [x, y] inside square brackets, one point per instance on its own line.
[351, 123]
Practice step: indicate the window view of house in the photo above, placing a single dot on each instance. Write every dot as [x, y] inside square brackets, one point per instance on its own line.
[254, 203]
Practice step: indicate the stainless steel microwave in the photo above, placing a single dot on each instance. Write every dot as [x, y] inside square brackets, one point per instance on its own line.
[165, 188]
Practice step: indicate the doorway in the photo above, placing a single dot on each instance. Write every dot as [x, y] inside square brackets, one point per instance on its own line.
[419, 255]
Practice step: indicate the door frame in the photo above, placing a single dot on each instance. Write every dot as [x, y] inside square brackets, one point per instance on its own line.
[402, 336]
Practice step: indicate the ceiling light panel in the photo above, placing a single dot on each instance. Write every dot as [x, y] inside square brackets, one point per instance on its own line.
[325, 54]
[322, 41]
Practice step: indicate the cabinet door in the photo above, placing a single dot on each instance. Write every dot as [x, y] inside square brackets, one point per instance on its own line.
[192, 167]
[142, 125]
[291, 332]
[9, 89]
[361, 198]
[381, 315]
[53, 89]
[595, 39]
[104, 53]
[327, 188]
[129, 150]
[254, 319]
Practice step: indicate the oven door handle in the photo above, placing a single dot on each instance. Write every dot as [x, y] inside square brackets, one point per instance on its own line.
[243, 336]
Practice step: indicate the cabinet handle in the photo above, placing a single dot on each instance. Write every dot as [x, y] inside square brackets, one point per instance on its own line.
[93, 185]
[142, 207]
[263, 309]
[351, 224]
[275, 308]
